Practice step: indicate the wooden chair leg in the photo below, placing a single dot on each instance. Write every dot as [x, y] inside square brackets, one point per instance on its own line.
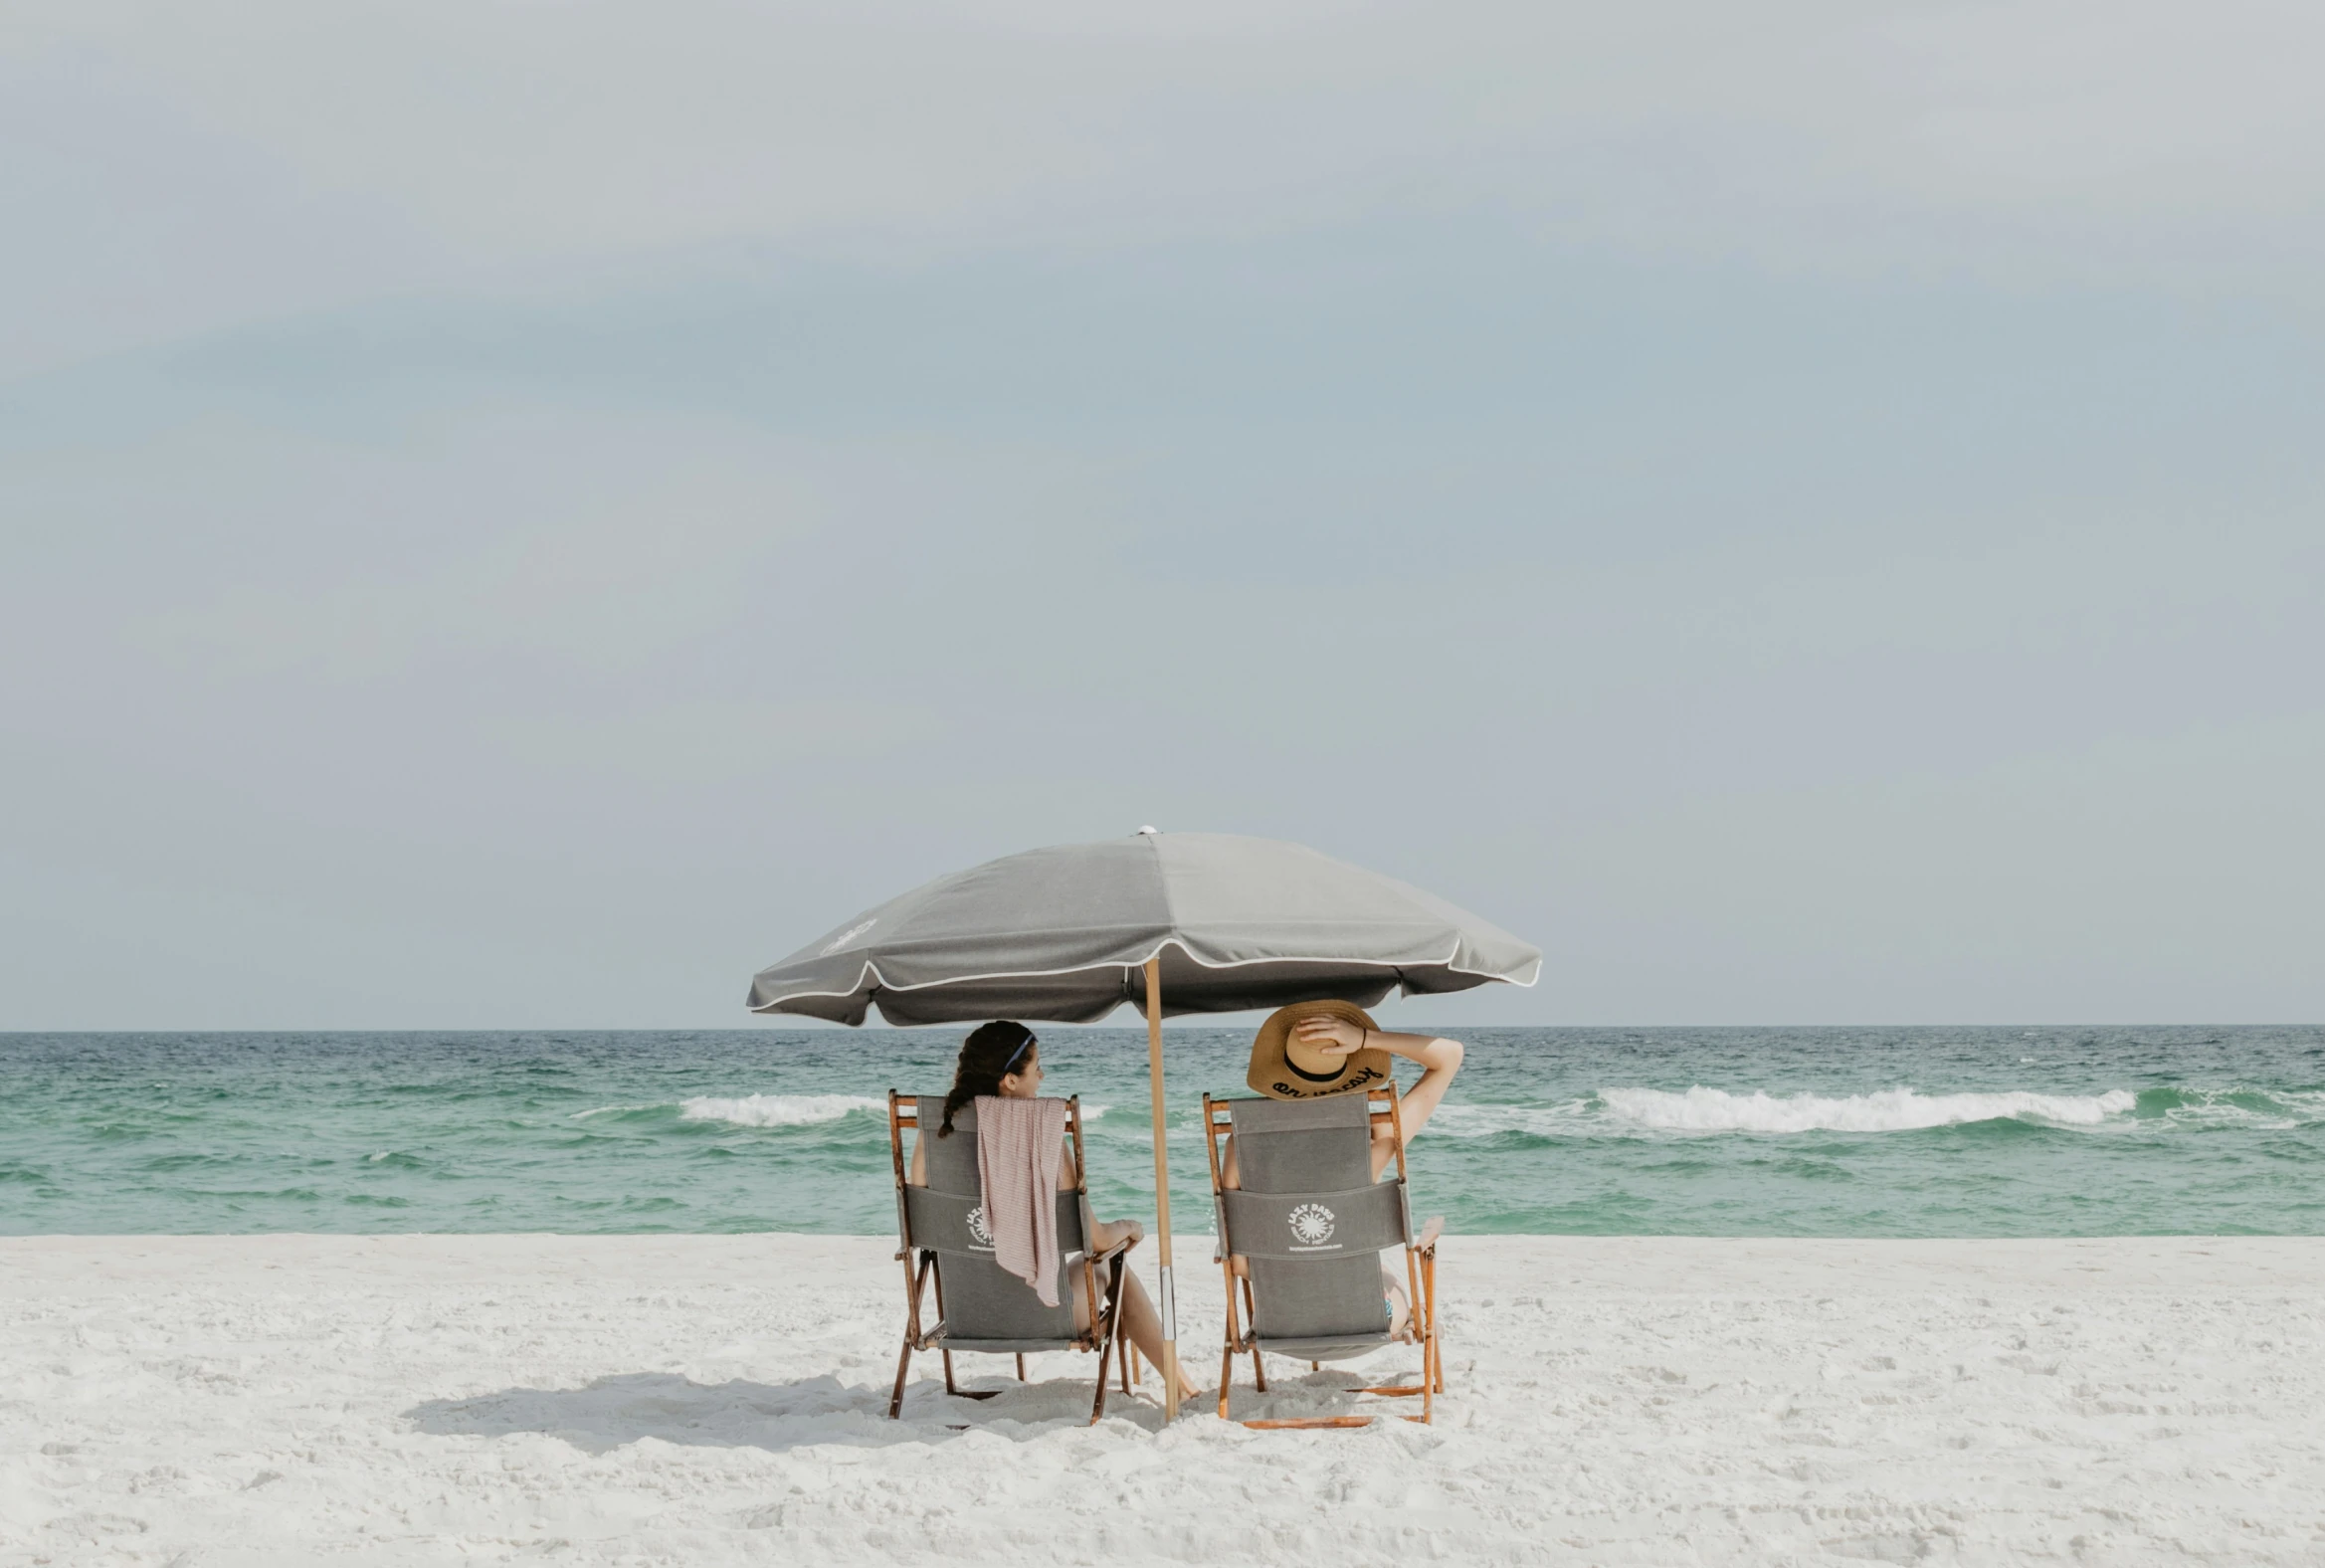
[1097, 1405]
[914, 1286]
[1429, 1382]
[1111, 1340]
[958, 1392]
[1252, 1316]
[1021, 1367]
[1438, 1345]
[1226, 1377]
[897, 1398]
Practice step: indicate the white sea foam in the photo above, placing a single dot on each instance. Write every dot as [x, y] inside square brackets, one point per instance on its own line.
[776, 1111]
[2274, 1111]
[1890, 1110]
[1642, 1112]
[1483, 1122]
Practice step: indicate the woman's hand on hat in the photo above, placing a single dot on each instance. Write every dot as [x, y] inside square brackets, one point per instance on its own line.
[1332, 1036]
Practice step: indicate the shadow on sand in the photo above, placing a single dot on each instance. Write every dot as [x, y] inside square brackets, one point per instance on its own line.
[618, 1409]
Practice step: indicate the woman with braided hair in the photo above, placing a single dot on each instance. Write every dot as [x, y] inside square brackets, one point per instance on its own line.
[1004, 1060]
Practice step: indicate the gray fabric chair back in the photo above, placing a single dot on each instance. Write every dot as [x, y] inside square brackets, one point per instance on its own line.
[1282, 1144]
[984, 1306]
[1312, 1223]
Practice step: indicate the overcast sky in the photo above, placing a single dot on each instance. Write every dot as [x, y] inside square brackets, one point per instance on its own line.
[522, 514]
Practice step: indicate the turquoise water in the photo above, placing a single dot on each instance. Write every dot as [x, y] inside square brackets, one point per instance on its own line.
[1694, 1132]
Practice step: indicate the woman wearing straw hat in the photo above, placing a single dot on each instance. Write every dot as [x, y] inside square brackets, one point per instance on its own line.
[1310, 1050]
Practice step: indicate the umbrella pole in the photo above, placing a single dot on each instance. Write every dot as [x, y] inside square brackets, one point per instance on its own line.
[1162, 1191]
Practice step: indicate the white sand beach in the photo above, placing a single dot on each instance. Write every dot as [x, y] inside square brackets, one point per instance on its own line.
[439, 1398]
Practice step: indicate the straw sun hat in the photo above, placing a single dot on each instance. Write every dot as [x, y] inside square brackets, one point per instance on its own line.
[1284, 1069]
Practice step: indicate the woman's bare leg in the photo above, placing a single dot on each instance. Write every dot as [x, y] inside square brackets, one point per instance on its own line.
[1399, 1311]
[1144, 1326]
[1141, 1322]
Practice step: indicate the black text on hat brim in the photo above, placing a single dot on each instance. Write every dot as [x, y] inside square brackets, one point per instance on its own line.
[1273, 1074]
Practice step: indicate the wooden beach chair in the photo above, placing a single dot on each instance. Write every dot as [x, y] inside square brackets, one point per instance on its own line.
[1311, 1223]
[980, 1305]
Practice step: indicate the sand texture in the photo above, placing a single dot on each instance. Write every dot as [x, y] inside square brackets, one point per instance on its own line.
[297, 1400]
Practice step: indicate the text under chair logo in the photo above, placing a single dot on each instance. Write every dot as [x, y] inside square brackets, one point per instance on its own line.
[1313, 1223]
[978, 1227]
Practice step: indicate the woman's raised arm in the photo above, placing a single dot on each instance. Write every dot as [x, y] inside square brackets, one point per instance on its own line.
[1440, 1058]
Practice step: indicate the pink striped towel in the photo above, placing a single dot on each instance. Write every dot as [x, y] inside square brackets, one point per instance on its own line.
[1017, 1165]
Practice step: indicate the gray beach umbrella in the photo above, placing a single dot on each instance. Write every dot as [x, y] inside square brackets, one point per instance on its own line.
[1175, 922]
[1065, 934]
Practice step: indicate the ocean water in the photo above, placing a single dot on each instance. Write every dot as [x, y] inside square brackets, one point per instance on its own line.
[1673, 1131]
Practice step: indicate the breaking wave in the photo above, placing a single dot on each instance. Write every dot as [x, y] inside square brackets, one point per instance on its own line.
[777, 1111]
[1704, 1110]
[1889, 1110]
[1545, 1121]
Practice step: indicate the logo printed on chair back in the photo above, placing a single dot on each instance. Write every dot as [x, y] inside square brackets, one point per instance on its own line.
[1313, 1223]
[980, 1230]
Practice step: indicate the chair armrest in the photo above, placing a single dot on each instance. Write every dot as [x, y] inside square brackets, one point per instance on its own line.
[1116, 1250]
[1429, 1233]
